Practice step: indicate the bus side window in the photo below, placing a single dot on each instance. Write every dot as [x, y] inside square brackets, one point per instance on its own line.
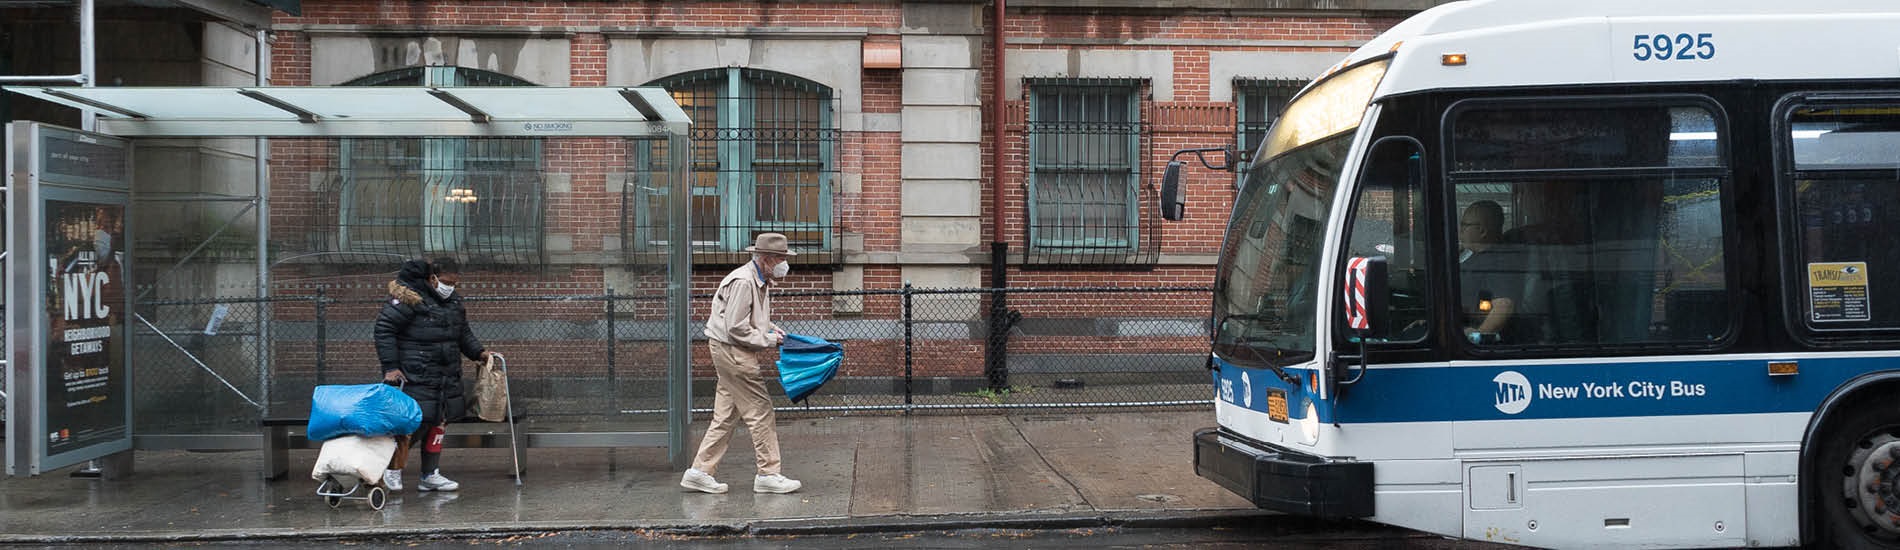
[1387, 221]
[1847, 228]
[1590, 254]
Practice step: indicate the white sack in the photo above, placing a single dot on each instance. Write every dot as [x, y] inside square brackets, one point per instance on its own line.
[354, 455]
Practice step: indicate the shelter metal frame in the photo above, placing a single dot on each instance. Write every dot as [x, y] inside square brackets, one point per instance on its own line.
[263, 112]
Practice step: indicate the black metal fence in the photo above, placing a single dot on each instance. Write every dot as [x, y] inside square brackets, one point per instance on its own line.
[907, 350]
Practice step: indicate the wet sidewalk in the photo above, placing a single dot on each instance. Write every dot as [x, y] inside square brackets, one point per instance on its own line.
[1056, 469]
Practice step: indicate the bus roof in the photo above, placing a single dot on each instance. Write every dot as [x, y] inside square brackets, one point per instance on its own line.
[1510, 43]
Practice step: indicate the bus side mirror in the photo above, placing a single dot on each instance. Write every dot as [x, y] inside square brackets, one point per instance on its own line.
[1366, 290]
[1173, 194]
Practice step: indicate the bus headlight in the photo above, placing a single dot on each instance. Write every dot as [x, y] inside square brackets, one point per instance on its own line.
[1309, 424]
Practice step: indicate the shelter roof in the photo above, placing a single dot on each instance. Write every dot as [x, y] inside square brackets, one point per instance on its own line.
[378, 111]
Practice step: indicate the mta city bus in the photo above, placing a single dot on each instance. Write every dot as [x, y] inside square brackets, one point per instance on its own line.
[1614, 273]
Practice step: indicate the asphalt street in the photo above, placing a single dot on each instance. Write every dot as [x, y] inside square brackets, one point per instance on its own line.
[1287, 534]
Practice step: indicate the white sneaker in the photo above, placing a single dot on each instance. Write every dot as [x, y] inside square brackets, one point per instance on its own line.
[435, 482]
[701, 481]
[775, 483]
[392, 480]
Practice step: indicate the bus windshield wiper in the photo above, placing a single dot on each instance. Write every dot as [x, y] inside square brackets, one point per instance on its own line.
[1243, 343]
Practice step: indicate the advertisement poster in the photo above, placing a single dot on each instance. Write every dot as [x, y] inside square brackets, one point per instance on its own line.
[1838, 292]
[85, 393]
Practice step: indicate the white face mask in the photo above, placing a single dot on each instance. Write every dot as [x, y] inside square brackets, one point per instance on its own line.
[782, 269]
[443, 290]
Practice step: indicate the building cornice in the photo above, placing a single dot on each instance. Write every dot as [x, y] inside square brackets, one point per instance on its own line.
[567, 31]
[1327, 8]
[1183, 42]
[420, 30]
[809, 33]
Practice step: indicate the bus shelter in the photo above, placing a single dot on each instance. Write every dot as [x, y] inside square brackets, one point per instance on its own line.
[72, 361]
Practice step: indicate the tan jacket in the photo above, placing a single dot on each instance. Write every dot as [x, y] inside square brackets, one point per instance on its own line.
[742, 311]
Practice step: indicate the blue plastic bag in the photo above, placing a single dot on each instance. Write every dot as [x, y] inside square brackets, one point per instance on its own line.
[805, 363]
[361, 409]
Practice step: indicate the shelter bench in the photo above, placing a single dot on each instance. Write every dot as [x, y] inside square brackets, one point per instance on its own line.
[281, 434]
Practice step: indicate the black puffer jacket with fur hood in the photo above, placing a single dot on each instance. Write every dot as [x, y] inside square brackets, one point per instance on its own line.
[426, 336]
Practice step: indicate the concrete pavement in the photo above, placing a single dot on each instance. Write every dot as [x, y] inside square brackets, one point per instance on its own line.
[877, 473]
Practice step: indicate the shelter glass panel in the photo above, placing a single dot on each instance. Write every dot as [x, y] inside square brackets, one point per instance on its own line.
[480, 198]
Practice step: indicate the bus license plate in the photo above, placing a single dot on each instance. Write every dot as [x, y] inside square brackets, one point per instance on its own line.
[1276, 406]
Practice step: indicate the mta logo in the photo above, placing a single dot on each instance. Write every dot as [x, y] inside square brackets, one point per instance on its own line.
[1512, 393]
[1246, 386]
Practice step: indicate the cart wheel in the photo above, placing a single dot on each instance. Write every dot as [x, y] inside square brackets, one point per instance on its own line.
[333, 501]
[377, 497]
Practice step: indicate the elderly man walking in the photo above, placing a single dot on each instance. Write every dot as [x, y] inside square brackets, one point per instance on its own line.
[739, 333]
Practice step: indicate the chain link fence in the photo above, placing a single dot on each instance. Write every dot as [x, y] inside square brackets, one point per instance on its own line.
[959, 349]
[197, 364]
[906, 351]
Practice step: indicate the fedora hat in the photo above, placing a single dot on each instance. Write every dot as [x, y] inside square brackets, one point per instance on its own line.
[771, 243]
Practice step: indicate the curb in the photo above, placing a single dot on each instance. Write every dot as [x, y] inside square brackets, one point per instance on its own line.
[773, 527]
[365, 533]
[1027, 521]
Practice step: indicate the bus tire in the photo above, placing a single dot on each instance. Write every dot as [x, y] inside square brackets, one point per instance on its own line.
[1860, 508]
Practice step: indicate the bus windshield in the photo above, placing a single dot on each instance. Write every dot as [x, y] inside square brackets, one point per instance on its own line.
[1265, 293]
[1265, 290]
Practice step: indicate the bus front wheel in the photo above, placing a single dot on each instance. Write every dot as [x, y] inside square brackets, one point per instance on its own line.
[1858, 477]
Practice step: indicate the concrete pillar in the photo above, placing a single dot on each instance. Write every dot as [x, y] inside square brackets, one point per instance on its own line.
[942, 133]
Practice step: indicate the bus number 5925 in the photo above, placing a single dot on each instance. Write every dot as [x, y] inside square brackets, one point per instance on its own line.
[1681, 46]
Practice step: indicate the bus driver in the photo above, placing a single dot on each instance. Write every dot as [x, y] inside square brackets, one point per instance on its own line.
[1487, 273]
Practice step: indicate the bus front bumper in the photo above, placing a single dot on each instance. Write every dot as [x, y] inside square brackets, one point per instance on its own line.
[1283, 480]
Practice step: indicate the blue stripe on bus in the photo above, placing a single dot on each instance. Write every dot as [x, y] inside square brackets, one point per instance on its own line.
[1506, 391]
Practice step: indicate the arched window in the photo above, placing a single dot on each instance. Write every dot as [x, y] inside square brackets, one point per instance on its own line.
[479, 198]
[763, 155]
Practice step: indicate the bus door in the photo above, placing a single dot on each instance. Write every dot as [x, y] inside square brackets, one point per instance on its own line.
[1384, 285]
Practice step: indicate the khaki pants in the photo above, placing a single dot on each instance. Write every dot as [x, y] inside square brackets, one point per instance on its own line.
[741, 395]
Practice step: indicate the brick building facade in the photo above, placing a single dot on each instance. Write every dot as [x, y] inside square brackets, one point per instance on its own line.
[861, 128]
[1097, 96]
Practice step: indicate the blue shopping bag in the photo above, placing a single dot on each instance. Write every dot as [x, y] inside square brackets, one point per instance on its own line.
[805, 363]
[361, 409]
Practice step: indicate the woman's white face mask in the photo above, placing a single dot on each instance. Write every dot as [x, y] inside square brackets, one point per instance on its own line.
[443, 290]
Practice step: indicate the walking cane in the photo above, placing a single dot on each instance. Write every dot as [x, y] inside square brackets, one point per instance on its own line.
[514, 451]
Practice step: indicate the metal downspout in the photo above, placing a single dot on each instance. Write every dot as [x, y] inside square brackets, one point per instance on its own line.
[996, 356]
[997, 114]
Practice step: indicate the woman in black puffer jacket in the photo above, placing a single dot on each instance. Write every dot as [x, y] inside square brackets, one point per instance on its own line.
[422, 335]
